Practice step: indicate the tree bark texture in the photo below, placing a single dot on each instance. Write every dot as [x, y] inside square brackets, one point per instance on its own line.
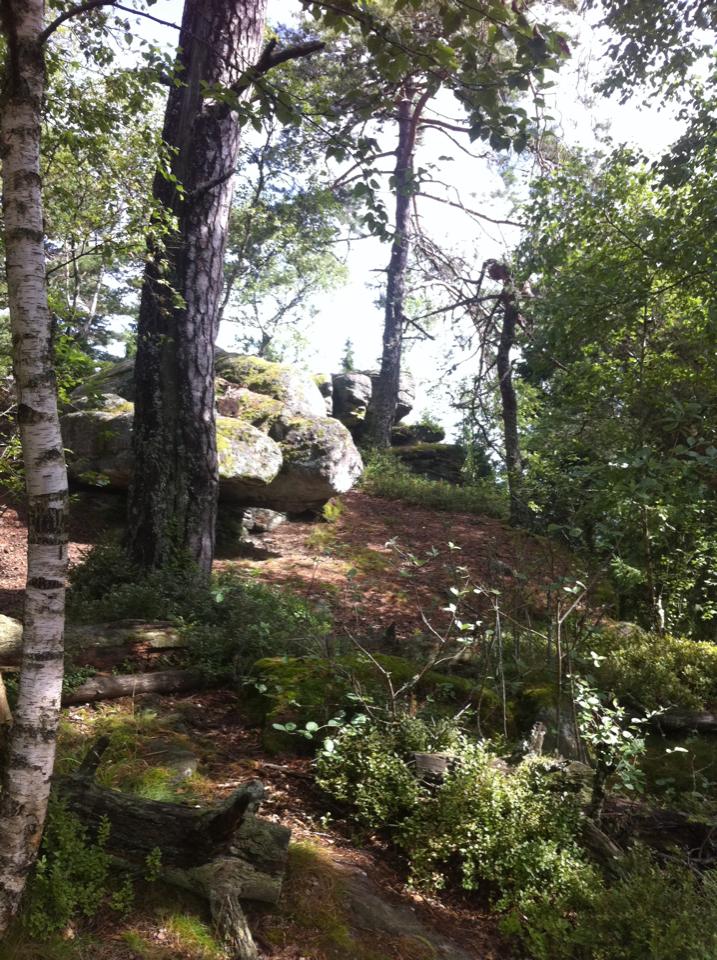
[509, 407]
[385, 390]
[31, 754]
[173, 496]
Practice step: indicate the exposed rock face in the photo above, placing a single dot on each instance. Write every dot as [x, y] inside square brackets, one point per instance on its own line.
[352, 397]
[436, 461]
[277, 448]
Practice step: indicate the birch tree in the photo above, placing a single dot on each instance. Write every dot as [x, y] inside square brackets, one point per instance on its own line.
[26, 777]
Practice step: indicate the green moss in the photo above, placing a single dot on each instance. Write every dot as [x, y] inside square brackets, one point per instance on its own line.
[254, 373]
[297, 690]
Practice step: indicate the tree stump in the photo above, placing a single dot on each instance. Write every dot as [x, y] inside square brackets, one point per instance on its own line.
[225, 854]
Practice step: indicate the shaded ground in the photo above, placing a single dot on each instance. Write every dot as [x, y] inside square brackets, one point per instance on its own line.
[377, 565]
[382, 565]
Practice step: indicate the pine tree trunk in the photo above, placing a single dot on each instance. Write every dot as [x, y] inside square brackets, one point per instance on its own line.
[26, 778]
[509, 409]
[385, 391]
[173, 496]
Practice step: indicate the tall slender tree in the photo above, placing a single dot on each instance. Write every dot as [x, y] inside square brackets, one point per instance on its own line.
[173, 496]
[30, 757]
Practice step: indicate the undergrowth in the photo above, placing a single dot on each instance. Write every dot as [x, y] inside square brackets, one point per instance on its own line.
[515, 835]
[385, 476]
[229, 621]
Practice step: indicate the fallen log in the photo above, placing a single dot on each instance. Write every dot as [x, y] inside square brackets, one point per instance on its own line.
[664, 830]
[84, 642]
[225, 853]
[676, 721]
[110, 686]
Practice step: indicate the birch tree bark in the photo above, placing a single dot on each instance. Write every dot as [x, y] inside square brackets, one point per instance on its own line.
[173, 496]
[26, 777]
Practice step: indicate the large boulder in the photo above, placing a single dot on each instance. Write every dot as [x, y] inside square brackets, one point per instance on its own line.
[352, 394]
[320, 461]
[99, 445]
[276, 446]
[248, 459]
[296, 390]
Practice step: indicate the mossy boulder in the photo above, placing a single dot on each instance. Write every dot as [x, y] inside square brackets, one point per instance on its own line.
[116, 379]
[277, 448]
[99, 445]
[436, 461]
[409, 434]
[292, 387]
[298, 690]
[242, 404]
[320, 461]
[10, 635]
[248, 459]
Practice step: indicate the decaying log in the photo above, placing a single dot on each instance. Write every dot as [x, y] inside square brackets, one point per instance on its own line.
[664, 830]
[109, 687]
[677, 721]
[84, 643]
[225, 853]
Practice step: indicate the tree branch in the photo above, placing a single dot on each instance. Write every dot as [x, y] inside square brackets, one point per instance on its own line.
[75, 11]
[472, 213]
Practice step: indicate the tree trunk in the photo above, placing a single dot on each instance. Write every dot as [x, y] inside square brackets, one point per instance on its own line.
[382, 411]
[173, 495]
[31, 754]
[509, 408]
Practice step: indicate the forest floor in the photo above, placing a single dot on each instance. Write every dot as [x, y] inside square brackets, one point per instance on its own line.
[380, 567]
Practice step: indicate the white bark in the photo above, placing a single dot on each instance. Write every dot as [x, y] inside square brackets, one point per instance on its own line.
[26, 778]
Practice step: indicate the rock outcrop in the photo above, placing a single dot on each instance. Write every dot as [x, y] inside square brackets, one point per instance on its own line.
[352, 394]
[277, 447]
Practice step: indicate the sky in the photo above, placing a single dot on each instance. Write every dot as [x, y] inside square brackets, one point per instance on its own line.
[352, 311]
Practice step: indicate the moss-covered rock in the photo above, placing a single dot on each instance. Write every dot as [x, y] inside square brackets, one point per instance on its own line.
[295, 389]
[277, 448]
[436, 461]
[99, 445]
[248, 459]
[242, 404]
[298, 690]
[320, 461]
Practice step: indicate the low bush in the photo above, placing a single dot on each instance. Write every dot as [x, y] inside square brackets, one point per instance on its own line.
[387, 477]
[657, 670]
[71, 877]
[515, 835]
[229, 622]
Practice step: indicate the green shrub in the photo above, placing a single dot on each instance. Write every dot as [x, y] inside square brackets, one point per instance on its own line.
[370, 768]
[656, 670]
[515, 835]
[652, 912]
[71, 876]
[229, 622]
[385, 476]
